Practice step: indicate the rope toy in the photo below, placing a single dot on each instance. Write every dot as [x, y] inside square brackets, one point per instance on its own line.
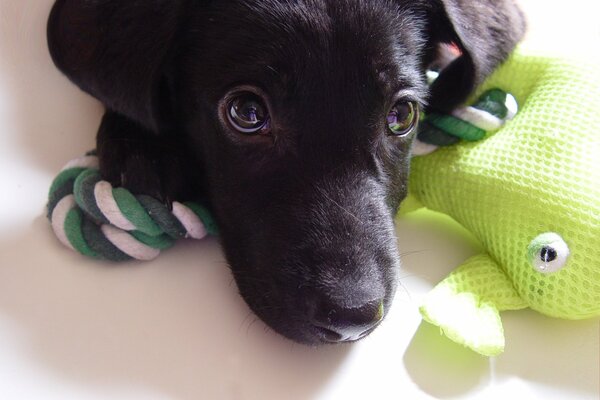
[470, 123]
[92, 218]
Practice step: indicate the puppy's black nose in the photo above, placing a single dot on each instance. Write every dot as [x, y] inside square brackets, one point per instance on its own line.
[338, 324]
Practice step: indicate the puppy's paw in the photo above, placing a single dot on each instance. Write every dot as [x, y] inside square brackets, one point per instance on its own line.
[140, 161]
[134, 169]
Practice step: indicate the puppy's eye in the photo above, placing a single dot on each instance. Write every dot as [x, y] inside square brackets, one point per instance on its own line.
[402, 118]
[247, 113]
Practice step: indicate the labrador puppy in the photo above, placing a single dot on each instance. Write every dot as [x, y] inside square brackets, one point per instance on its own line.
[292, 119]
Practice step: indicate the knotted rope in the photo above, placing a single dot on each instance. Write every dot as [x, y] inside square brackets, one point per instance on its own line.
[471, 123]
[91, 217]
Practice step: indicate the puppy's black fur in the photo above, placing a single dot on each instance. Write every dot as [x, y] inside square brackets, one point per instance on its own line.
[305, 213]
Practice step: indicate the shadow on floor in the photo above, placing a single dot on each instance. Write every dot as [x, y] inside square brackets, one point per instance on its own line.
[175, 326]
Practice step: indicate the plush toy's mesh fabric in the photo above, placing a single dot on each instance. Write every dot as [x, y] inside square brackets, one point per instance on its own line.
[471, 317]
[540, 173]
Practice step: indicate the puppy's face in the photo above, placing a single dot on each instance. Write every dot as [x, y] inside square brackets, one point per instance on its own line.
[300, 117]
[305, 116]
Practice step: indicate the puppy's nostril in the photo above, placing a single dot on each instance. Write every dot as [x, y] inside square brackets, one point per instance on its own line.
[339, 324]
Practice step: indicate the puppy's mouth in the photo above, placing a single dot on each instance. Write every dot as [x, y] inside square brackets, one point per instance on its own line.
[328, 336]
[312, 335]
[300, 318]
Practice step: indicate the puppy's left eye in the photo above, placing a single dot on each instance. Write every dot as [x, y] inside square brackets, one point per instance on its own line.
[247, 113]
[402, 118]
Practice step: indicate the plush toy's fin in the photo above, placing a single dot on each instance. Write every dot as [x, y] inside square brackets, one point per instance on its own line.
[466, 305]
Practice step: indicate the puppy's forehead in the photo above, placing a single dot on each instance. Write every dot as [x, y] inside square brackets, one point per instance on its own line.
[323, 42]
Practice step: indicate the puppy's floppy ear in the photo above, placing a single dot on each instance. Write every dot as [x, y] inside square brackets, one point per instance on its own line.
[485, 31]
[116, 50]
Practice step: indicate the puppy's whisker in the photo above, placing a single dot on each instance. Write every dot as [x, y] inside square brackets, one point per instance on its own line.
[341, 207]
[271, 68]
[400, 278]
[412, 252]
[405, 290]
[250, 326]
[250, 313]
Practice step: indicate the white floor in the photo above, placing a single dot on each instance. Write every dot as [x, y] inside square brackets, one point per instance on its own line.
[176, 329]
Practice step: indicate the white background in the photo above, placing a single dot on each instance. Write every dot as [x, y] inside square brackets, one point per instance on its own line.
[176, 329]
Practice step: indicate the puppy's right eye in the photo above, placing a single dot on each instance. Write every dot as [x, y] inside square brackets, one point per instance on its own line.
[402, 118]
[248, 114]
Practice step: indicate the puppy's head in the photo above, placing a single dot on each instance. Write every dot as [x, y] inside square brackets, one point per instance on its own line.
[300, 115]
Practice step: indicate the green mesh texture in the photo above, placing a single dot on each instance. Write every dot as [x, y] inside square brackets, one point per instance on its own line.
[466, 305]
[540, 173]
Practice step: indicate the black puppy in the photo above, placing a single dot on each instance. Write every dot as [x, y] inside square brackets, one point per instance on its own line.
[293, 118]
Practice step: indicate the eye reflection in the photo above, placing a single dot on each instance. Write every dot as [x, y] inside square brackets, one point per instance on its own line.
[248, 114]
[402, 118]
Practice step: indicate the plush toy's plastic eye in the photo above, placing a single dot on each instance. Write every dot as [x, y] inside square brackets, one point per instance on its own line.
[402, 118]
[548, 253]
[248, 114]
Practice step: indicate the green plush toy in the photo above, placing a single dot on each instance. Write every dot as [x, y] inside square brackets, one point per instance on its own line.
[530, 193]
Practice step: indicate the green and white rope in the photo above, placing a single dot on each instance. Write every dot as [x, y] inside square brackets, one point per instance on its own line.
[471, 123]
[91, 217]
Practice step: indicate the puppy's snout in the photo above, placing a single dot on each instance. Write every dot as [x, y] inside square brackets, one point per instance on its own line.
[336, 323]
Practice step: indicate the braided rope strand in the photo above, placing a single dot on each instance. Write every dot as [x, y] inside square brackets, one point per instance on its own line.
[471, 123]
[92, 218]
